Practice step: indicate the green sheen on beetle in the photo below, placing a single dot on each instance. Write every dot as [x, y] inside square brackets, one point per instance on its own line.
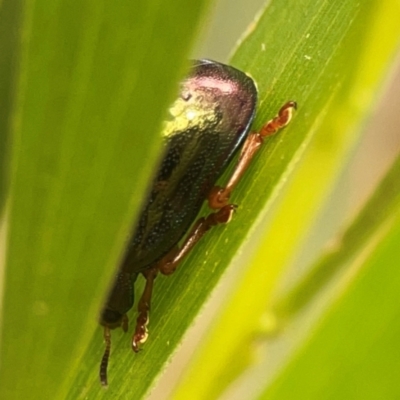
[208, 122]
[208, 104]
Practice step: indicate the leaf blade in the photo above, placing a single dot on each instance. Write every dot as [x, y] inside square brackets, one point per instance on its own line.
[90, 99]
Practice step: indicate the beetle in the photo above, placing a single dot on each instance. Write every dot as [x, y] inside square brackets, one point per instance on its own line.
[207, 124]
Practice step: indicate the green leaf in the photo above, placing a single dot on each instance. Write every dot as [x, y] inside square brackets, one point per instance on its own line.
[356, 338]
[323, 56]
[379, 212]
[84, 90]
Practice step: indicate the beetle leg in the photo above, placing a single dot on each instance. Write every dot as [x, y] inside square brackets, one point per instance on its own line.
[168, 265]
[219, 197]
[141, 333]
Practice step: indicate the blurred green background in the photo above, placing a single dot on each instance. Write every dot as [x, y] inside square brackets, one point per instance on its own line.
[82, 109]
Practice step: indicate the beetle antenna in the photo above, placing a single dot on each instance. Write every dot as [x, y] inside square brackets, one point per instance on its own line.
[106, 355]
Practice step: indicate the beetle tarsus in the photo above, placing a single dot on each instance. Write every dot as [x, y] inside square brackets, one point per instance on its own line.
[280, 121]
[141, 333]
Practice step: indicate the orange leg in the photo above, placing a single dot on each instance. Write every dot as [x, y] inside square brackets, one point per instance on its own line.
[202, 225]
[140, 335]
[219, 197]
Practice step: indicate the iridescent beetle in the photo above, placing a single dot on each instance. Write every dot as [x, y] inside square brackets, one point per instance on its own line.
[209, 122]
